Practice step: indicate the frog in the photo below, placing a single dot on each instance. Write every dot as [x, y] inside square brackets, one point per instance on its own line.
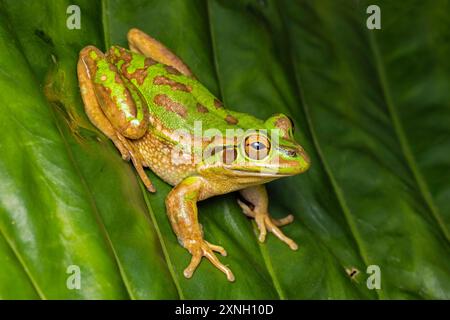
[149, 103]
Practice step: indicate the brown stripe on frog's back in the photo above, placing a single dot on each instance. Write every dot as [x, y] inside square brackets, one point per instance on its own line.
[218, 104]
[122, 55]
[161, 80]
[170, 105]
[231, 120]
[117, 77]
[141, 73]
[172, 70]
[115, 54]
[201, 108]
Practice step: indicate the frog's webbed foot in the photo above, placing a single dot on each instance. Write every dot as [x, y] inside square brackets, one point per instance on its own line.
[142, 43]
[201, 249]
[256, 207]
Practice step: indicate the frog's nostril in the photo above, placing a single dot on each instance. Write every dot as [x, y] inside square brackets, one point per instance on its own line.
[288, 152]
[291, 153]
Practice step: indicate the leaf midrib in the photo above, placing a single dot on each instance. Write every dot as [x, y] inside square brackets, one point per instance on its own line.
[168, 261]
[161, 240]
[24, 266]
[94, 207]
[403, 140]
[84, 184]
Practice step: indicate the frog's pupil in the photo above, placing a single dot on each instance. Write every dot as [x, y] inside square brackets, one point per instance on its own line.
[258, 146]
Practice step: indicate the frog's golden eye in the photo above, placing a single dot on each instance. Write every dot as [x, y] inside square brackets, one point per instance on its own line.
[257, 146]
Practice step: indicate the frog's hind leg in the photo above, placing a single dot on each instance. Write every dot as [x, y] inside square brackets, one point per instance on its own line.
[102, 111]
[255, 205]
[142, 43]
[92, 107]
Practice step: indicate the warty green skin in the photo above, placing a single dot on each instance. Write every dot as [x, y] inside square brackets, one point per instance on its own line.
[201, 114]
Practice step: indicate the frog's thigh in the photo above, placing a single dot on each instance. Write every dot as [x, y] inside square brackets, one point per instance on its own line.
[92, 107]
[118, 98]
[128, 119]
[142, 43]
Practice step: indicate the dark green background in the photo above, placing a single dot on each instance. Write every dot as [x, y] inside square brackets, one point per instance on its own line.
[372, 108]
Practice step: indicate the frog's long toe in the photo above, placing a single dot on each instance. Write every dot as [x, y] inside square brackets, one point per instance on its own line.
[218, 249]
[283, 221]
[266, 223]
[279, 234]
[206, 249]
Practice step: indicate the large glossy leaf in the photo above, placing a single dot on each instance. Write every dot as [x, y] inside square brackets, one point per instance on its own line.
[370, 106]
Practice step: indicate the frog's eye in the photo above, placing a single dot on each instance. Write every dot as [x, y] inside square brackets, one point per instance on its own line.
[257, 146]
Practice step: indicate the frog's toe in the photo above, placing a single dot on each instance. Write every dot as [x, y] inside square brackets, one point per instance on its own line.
[206, 249]
[209, 254]
[246, 209]
[260, 220]
[216, 248]
[280, 235]
[195, 261]
[283, 221]
[266, 223]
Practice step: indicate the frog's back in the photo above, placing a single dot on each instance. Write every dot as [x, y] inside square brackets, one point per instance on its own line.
[180, 102]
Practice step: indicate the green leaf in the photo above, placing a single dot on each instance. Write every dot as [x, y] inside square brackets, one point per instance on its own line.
[370, 107]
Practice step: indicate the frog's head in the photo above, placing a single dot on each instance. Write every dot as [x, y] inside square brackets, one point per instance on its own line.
[264, 154]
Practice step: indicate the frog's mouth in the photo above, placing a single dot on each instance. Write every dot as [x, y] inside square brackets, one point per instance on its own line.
[251, 173]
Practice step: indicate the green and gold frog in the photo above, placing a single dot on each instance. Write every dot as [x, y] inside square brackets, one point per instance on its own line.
[158, 115]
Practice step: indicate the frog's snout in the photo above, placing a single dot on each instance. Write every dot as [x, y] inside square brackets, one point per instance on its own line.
[304, 156]
[303, 160]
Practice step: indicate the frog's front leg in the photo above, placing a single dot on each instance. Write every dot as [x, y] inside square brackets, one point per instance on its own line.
[113, 105]
[256, 206]
[181, 205]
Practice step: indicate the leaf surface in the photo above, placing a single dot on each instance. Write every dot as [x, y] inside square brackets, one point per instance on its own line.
[371, 114]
